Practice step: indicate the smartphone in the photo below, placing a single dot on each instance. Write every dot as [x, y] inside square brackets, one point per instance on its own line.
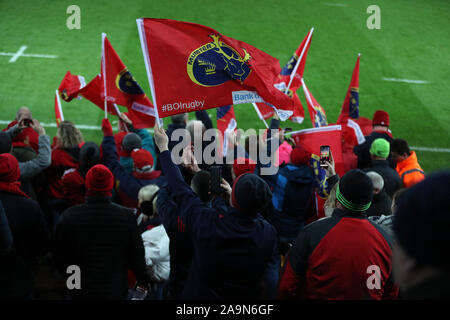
[216, 179]
[324, 155]
[27, 122]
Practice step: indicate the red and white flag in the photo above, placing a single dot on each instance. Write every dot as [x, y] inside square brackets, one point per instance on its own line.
[70, 86]
[120, 87]
[290, 80]
[59, 116]
[193, 67]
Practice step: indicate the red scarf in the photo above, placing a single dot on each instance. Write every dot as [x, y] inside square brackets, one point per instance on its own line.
[10, 174]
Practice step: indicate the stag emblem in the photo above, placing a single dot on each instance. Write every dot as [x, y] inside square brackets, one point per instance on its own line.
[215, 63]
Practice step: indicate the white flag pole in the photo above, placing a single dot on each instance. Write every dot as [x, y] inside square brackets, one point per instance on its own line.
[294, 72]
[59, 105]
[148, 67]
[104, 73]
[259, 114]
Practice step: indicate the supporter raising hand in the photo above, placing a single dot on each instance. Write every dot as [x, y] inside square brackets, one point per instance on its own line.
[106, 128]
[161, 138]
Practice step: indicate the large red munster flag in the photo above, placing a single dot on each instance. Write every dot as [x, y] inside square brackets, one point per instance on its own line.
[316, 112]
[70, 86]
[193, 67]
[350, 107]
[121, 88]
[290, 80]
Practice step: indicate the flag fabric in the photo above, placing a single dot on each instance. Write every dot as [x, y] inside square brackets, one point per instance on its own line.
[59, 116]
[226, 123]
[312, 139]
[122, 88]
[70, 86]
[350, 107]
[316, 112]
[192, 67]
[290, 76]
[93, 92]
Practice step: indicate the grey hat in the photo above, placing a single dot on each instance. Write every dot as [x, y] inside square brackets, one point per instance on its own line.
[131, 141]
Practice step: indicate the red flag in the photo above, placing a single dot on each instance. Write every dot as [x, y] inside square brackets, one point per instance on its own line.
[350, 107]
[226, 122]
[290, 77]
[93, 91]
[316, 112]
[123, 89]
[70, 86]
[312, 139]
[58, 109]
[193, 67]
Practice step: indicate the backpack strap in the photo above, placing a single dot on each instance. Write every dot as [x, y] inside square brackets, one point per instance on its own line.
[410, 171]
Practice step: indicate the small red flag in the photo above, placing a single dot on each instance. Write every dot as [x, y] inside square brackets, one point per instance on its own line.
[350, 107]
[316, 112]
[193, 67]
[70, 86]
[93, 91]
[123, 89]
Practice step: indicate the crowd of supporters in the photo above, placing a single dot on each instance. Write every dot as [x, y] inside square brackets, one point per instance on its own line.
[123, 220]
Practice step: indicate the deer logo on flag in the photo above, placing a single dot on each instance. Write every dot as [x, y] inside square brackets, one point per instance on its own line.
[216, 63]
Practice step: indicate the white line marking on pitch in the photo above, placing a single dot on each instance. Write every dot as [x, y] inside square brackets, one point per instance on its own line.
[335, 4]
[20, 53]
[405, 80]
[430, 149]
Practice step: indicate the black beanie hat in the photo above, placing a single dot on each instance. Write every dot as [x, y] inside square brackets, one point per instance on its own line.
[89, 154]
[250, 193]
[5, 143]
[131, 141]
[422, 221]
[355, 191]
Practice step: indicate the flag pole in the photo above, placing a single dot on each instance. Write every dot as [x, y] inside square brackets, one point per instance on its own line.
[104, 74]
[299, 59]
[260, 115]
[148, 67]
[59, 105]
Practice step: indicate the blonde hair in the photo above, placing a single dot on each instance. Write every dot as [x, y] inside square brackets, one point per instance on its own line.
[330, 203]
[68, 135]
[146, 193]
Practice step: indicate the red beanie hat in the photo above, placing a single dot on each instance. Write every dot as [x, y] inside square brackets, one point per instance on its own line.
[300, 155]
[143, 160]
[99, 181]
[9, 168]
[380, 118]
[243, 165]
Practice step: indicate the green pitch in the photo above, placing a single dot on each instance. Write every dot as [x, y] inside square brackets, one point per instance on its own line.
[413, 43]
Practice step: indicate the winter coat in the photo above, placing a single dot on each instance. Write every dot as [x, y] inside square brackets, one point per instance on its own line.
[157, 257]
[231, 251]
[103, 240]
[31, 239]
[392, 181]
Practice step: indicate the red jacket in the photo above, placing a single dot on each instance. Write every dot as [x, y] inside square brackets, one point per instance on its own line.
[334, 258]
[62, 160]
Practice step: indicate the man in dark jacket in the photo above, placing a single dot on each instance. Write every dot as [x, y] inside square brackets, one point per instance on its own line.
[381, 203]
[128, 184]
[231, 250]
[422, 231]
[379, 152]
[102, 239]
[380, 124]
[344, 256]
[29, 231]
